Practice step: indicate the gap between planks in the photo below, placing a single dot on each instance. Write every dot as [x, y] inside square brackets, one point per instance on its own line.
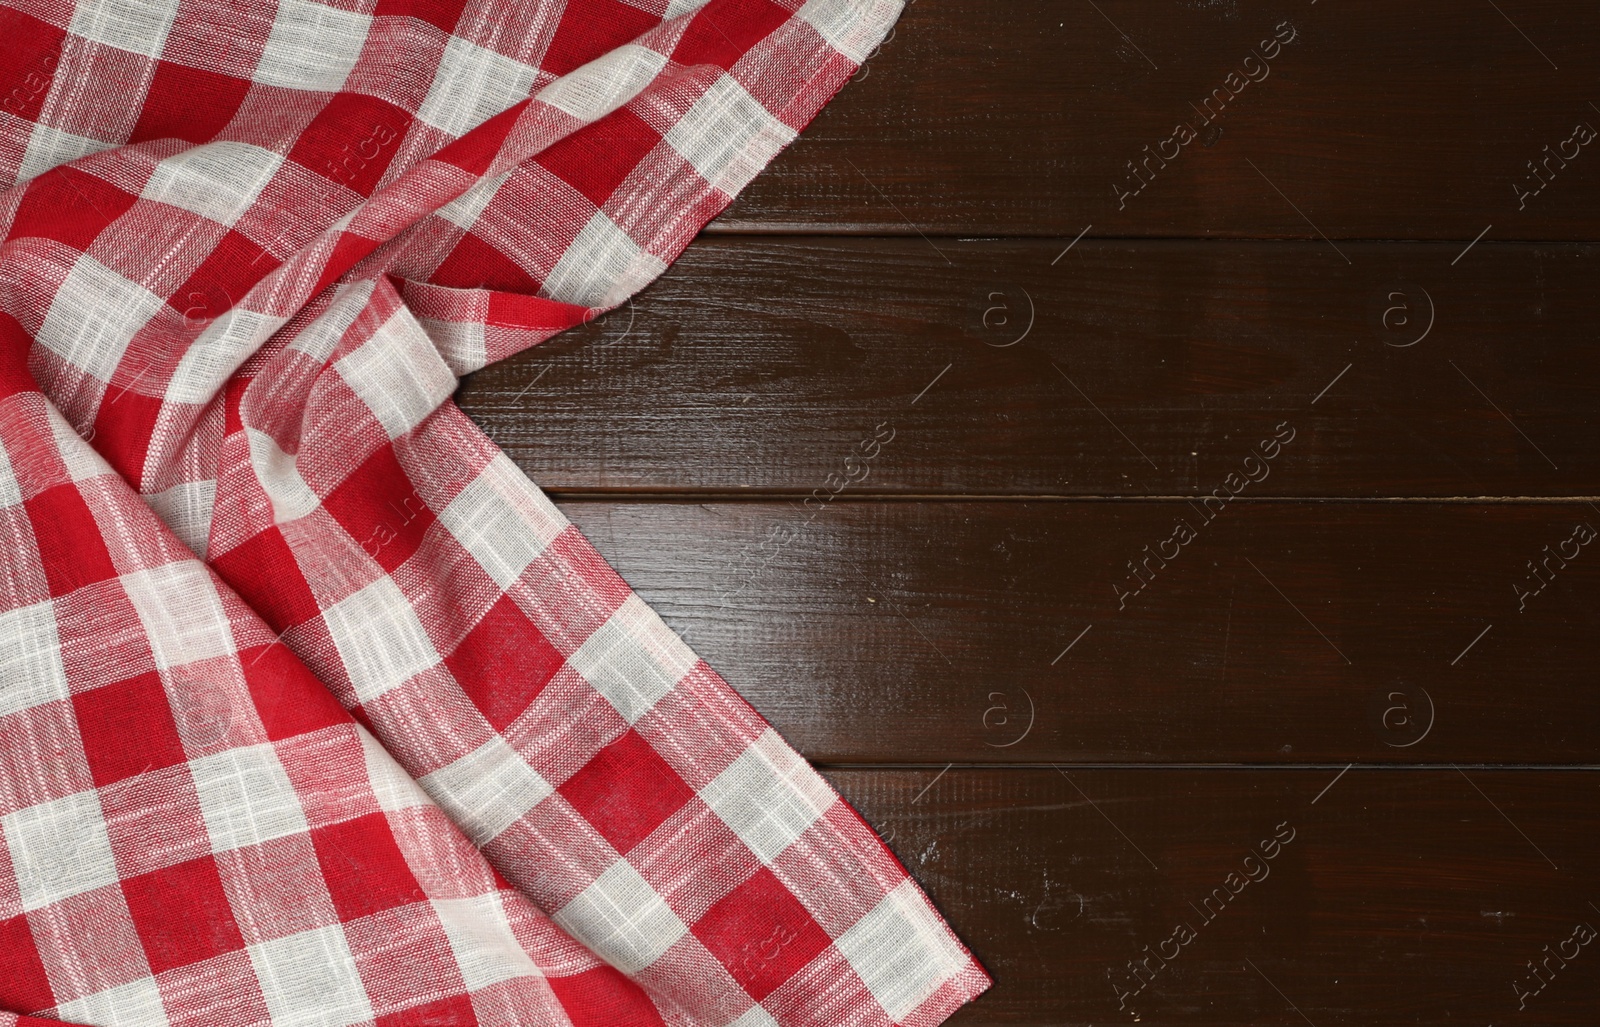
[1054, 764]
[759, 495]
[896, 232]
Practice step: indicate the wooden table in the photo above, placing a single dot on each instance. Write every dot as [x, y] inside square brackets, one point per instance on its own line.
[1175, 542]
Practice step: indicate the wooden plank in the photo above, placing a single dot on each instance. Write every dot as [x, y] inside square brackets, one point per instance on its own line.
[1281, 632]
[1383, 121]
[1400, 898]
[1151, 368]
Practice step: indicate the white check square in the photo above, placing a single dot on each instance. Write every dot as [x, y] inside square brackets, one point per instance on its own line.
[50, 147]
[291, 497]
[186, 508]
[679, 7]
[246, 798]
[462, 344]
[622, 919]
[901, 950]
[181, 612]
[310, 980]
[217, 180]
[312, 46]
[136, 1004]
[380, 639]
[394, 789]
[852, 27]
[59, 849]
[225, 343]
[605, 83]
[81, 460]
[322, 336]
[486, 790]
[94, 315]
[398, 374]
[728, 135]
[140, 28]
[769, 796]
[463, 211]
[496, 518]
[473, 84]
[602, 266]
[31, 670]
[633, 659]
[482, 941]
[10, 488]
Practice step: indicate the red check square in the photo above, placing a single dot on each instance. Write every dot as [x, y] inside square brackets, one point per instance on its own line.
[761, 933]
[597, 163]
[182, 914]
[69, 540]
[23, 984]
[364, 867]
[626, 791]
[589, 28]
[604, 998]
[503, 663]
[719, 35]
[381, 510]
[70, 207]
[127, 729]
[188, 103]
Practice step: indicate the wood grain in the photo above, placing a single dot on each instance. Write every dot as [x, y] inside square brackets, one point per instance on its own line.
[1379, 121]
[1282, 632]
[1150, 368]
[1375, 643]
[1403, 897]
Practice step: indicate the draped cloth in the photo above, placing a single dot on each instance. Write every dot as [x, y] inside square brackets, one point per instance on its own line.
[314, 710]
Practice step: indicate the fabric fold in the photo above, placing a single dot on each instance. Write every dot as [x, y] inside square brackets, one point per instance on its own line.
[345, 722]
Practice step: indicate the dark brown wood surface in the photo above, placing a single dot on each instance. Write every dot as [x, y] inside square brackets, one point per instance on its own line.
[1284, 632]
[1410, 120]
[1402, 897]
[1150, 369]
[884, 441]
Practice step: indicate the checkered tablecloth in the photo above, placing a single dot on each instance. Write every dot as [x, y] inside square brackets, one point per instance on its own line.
[313, 709]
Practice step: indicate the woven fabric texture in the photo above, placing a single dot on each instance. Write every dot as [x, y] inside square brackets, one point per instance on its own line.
[313, 709]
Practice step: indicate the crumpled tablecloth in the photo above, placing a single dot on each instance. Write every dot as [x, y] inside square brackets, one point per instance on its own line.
[313, 709]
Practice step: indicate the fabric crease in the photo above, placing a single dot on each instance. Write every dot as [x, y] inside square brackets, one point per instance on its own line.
[314, 709]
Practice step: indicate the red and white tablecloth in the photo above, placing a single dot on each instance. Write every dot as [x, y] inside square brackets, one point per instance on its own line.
[313, 709]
